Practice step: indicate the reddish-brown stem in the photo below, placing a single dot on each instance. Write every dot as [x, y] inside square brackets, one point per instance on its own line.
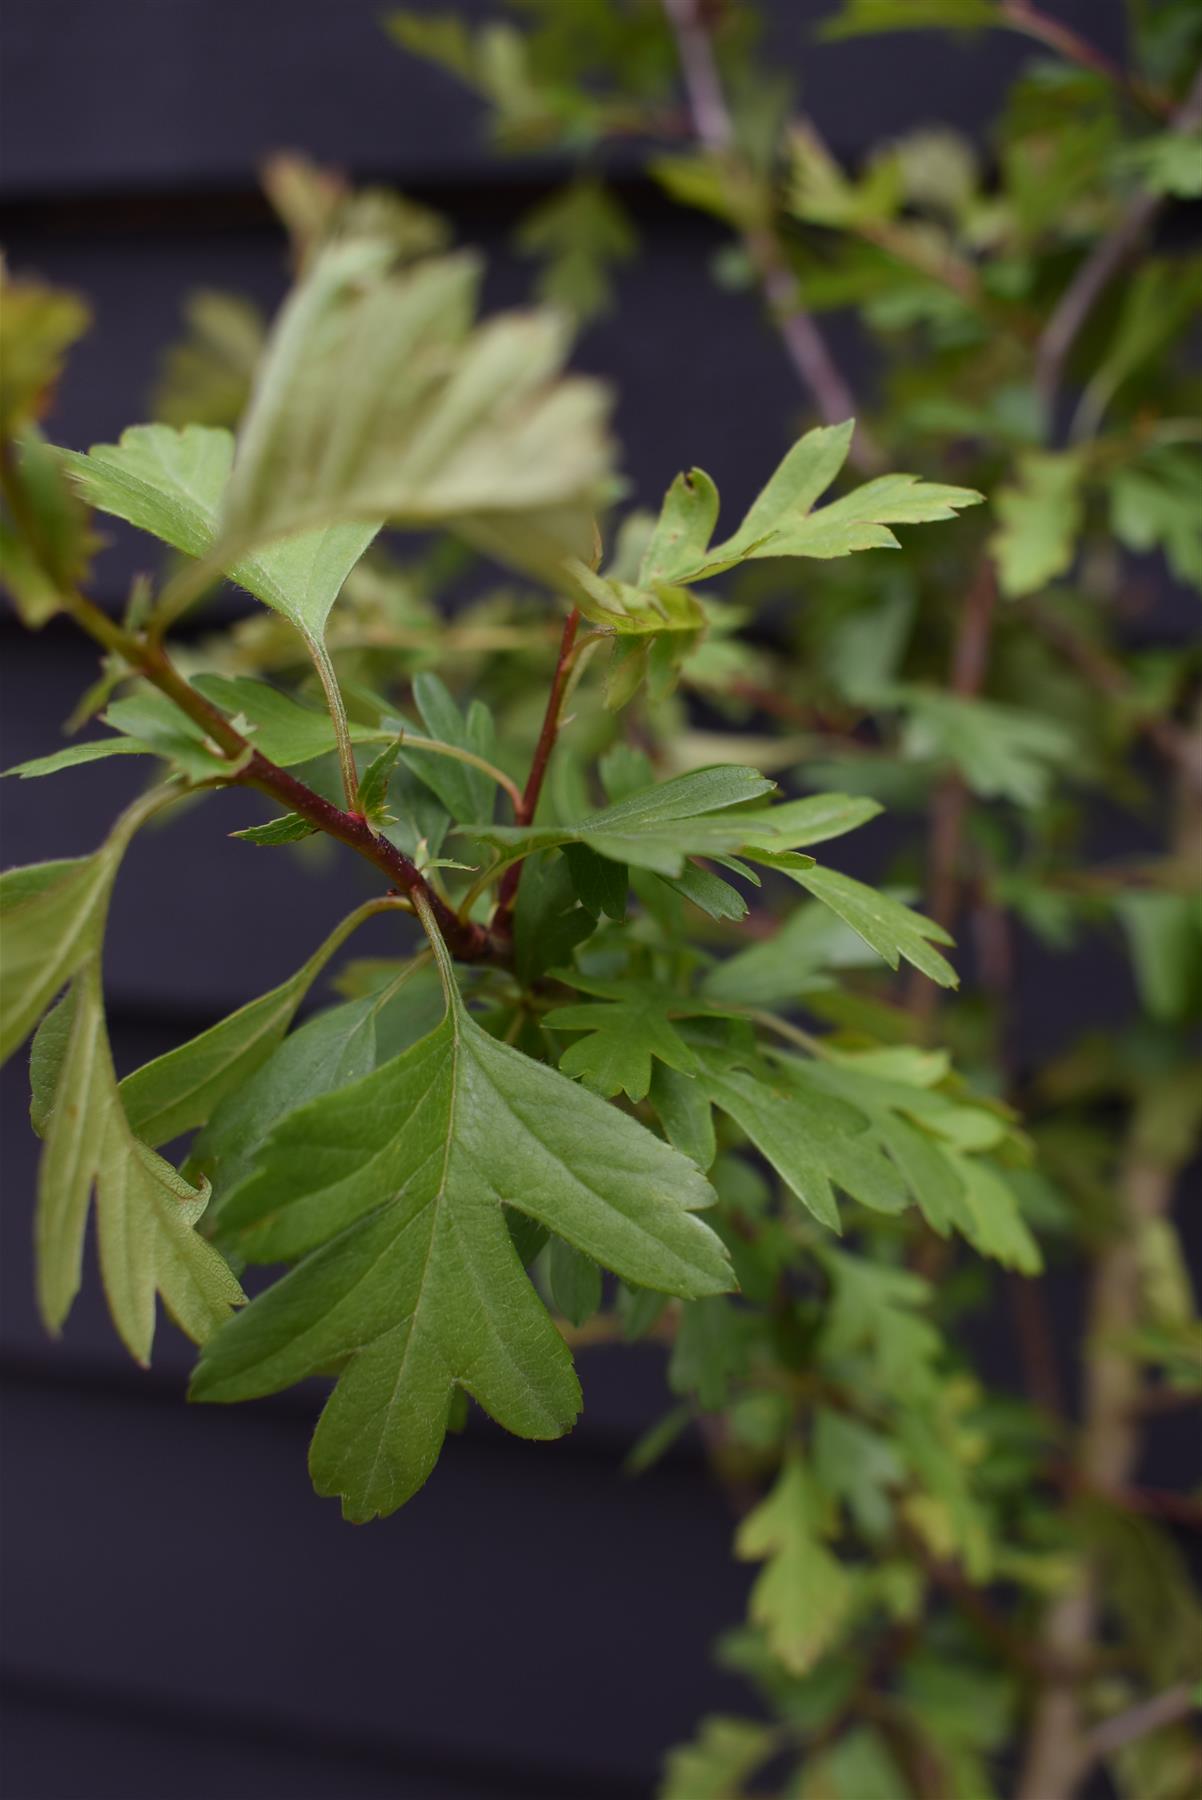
[502, 924]
[250, 768]
[550, 725]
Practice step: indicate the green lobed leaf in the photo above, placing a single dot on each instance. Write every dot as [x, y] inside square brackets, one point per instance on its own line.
[815, 1141]
[802, 1596]
[709, 1352]
[574, 1280]
[1039, 519]
[1002, 751]
[892, 930]
[578, 233]
[40, 325]
[327, 1052]
[377, 398]
[52, 918]
[145, 1212]
[285, 729]
[658, 827]
[808, 940]
[780, 522]
[393, 1191]
[627, 1025]
[548, 920]
[722, 1755]
[466, 792]
[173, 484]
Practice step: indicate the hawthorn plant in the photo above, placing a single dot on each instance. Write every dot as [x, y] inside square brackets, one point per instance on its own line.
[638, 1065]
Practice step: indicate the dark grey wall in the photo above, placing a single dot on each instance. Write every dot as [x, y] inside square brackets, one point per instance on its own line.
[182, 1617]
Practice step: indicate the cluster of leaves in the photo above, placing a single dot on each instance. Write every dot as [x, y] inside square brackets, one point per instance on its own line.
[636, 1083]
[989, 288]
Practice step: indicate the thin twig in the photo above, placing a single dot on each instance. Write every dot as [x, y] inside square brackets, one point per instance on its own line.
[250, 768]
[949, 804]
[806, 347]
[1178, 746]
[1139, 1721]
[1101, 266]
[1060, 1750]
[507, 894]
[1019, 15]
[550, 725]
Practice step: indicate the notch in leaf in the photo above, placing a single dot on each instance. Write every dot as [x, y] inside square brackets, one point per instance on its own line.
[393, 1191]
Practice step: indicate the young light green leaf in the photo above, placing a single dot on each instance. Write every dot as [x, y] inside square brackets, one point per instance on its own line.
[52, 915]
[40, 325]
[633, 612]
[781, 521]
[396, 1187]
[52, 919]
[373, 785]
[173, 484]
[1039, 519]
[683, 530]
[376, 398]
[145, 1213]
[861, 519]
[997, 1227]
[803, 1595]
[800, 479]
[721, 1757]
